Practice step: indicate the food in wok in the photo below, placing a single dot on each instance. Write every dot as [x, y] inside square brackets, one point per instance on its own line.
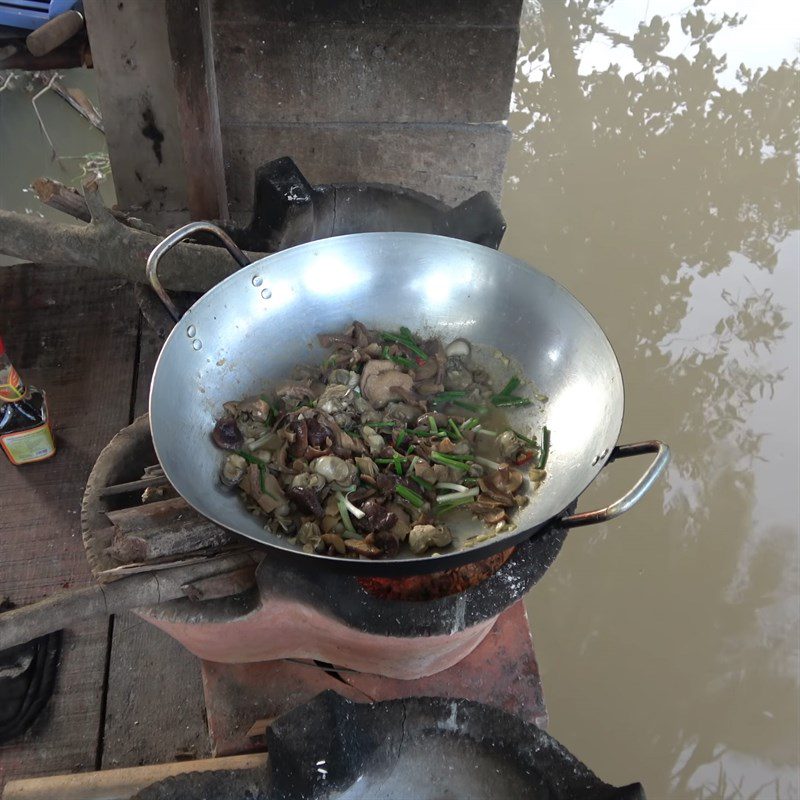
[378, 447]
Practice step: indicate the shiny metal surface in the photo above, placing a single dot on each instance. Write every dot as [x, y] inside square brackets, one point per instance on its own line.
[253, 327]
[176, 237]
[635, 494]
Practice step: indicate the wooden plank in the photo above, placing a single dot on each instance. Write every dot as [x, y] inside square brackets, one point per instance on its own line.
[120, 784]
[155, 707]
[409, 12]
[363, 73]
[135, 82]
[74, 335]
[451, 162]
[173, 717]
[190, 42]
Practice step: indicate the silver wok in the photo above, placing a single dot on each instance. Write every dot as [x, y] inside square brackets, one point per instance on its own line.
[257, 324]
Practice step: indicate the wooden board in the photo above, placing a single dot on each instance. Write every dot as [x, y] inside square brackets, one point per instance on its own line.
[74, 335]
[155, 707]
[145, 725]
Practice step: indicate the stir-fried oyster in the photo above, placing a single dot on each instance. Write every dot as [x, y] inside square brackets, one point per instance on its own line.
[378, 445]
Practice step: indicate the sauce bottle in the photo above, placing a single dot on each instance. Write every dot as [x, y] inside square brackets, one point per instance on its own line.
[25, 434]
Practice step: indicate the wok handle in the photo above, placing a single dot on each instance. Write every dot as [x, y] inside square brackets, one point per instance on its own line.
[175, 238]
[639, 490]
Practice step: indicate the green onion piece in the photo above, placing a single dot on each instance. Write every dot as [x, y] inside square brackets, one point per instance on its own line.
[249, 458]
[390, 460]
[470, 424]
[454, 428]
[447, 397]
[432, 425]
[422, 482]
[439, 458]
[403, 361]
[529, 442]
[391, 424]
[443, 508]
[385, 352]
[343, 513]
[398, 464]
[510, 386]
[485, 462]
[459, 457]
[545, 448]
[401, 437]
[473, 407]
[449, 498]
[402, 340]
[411, 496]
[453, 487]
[406, 333]
[503, 400]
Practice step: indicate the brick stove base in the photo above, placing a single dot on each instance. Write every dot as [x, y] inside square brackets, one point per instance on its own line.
[502, 672]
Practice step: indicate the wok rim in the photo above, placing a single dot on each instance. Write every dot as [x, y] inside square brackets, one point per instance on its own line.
[417, 565]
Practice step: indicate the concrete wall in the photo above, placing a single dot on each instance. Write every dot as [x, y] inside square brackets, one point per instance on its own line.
[411, 92]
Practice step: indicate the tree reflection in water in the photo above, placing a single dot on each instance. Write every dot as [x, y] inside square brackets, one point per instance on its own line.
[649, 181]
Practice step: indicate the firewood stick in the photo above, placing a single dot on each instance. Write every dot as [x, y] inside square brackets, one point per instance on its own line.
[138, 518]
[70, 201]
[65, 609]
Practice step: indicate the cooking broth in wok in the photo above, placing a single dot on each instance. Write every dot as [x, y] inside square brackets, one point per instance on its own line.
[383, 444]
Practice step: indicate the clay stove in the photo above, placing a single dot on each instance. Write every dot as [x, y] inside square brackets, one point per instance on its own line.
[293, 631]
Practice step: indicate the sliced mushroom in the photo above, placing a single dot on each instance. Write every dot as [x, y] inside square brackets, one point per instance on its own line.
[273, 499]
[309, 533]
[256, 407]
[402, 526]
[335, 399]
[508, 445]
[380, 381]
[422, 537]
[458, 347]
[296, 390]
[306, 500]
[335, 470]
[362, 548]
[226, 434]
[233, 469]
[309, 480]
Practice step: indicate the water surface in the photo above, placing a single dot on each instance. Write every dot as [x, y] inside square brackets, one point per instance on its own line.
[658, 183]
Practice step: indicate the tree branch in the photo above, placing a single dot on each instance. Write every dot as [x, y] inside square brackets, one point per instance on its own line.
[110, 247]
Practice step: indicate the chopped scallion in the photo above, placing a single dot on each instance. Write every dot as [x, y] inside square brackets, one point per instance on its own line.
[432, 424]
[449, 498]
[343, 513]
[454, 428]
[529, 442]
[545, 448]
[510, 386]
[440, 458]
[427, 485]
[403, 362]
[411, 496]
[509, 400]
[406, 342]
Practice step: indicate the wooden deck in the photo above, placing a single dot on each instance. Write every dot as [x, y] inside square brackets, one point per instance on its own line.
[80, 338]
[126, 693]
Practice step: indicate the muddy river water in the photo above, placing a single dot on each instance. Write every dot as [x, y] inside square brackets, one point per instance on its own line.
[657, 181]
[660, 187]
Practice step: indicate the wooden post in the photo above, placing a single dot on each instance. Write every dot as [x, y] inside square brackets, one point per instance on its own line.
[188, 23]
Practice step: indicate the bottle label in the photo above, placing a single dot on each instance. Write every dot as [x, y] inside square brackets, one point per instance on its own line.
[25, 447]
[11, 388]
